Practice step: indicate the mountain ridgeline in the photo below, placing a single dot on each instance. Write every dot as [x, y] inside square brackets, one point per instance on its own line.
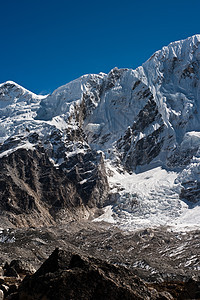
[59, 153]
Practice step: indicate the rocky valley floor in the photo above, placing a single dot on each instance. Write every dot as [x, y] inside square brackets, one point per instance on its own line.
[159, 257]
[121, 149]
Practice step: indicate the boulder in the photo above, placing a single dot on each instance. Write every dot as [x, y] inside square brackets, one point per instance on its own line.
[66, 275]
[1, 295]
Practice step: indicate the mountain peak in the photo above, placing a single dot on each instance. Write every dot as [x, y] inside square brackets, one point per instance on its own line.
[11, 85]
[141, 120]
[186, 50]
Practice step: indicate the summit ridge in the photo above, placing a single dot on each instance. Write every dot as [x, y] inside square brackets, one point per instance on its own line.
[127, 141]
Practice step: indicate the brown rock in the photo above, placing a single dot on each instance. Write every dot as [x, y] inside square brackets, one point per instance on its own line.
[65, 275]
[21, 267]
[1, 295]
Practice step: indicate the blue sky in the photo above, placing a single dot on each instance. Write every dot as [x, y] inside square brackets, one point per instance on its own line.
[45, 44]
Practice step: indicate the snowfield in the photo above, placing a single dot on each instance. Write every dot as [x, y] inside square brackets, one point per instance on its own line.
[149, 199]
[145, 122]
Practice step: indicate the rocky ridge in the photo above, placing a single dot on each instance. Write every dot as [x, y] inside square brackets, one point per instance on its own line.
[127, 121]
[71, 275]
[121, 147]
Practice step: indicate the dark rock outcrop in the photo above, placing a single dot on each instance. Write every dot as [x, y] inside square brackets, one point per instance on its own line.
[33, 191]
[66, 275]
[140, 145]
[190, 191]
[179, 290]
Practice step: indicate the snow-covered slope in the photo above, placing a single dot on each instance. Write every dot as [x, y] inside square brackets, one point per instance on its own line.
[142, 126]
[18, 107]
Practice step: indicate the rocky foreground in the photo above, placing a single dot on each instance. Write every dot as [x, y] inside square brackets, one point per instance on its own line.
[98, 261]
[67, 275]
[122, 147]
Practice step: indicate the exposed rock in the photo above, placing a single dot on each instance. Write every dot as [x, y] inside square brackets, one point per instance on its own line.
[113, 76]
[87, 171]
[154, 255]
[4, 288]
[140, 145]
[12, 289]
[9, 271]
[180, 158]
[21, 267]
[191, 191]
[33, 191]
[179, 290]
[68, 276]
[151, 254]
[1, 295]
[1, 271]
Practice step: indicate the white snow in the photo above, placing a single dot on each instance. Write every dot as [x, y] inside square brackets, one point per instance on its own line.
[23, 145]
[191, 140]
[107, 216]
[148, 198]
[10, 82]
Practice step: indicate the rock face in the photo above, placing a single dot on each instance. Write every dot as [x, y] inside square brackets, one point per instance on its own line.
[141, 151]
[124, 121]
[31, 188]
[12, 275]
[164, 259]
[34, 192]
[49, 173]
[69, 276]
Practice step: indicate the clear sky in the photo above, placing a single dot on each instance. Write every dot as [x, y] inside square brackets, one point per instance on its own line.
[45, 44]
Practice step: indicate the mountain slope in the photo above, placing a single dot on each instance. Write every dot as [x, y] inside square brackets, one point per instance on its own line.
[108, 132]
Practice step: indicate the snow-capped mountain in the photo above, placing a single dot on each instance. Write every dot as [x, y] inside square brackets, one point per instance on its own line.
[128, 139]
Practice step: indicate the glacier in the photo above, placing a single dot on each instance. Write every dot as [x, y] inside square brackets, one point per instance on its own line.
[144, 124]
